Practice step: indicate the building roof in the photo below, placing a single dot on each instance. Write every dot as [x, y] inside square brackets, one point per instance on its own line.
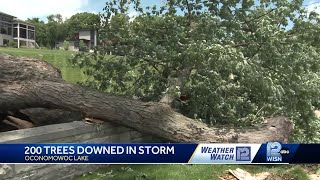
[22, 21]
[2, 13]
[15, 19]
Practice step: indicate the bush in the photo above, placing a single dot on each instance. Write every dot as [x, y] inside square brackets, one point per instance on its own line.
[13, 44]
[48, 46]
[66, 45]
[82, 46]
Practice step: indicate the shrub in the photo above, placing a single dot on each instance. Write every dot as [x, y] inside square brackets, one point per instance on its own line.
[13, 44]
[82, 46]
[66, 45]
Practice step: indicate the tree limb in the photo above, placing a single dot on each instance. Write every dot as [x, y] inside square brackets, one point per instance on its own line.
[27, 83]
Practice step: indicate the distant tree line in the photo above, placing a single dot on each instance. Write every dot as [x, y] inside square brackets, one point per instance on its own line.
[57, 29]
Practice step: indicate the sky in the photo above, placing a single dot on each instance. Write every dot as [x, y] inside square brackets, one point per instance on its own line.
[24, 9]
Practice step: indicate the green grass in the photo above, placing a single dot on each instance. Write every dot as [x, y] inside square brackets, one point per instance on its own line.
[156, 172]
[58, 58]
[194, 172]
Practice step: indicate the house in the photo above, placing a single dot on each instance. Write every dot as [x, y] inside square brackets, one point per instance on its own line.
[88, 37]
[13, 29]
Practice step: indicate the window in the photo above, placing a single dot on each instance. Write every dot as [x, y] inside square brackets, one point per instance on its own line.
[7, 19]
[10, 30]
[23, 33]
[15, 32]
[76, 44]
[30, 34]
[31, 27]
[5, 28]
[5, 42]
[23, 26]
[92, 32]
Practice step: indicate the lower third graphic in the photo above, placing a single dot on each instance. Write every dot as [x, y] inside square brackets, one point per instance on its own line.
[243, 153]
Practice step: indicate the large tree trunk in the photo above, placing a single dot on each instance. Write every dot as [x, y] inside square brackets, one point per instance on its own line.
[31, 83]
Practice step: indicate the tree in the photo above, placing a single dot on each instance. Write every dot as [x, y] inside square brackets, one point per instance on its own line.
[41, 31]
[47, 34]
[231, 62]
[31, 83]
[56, 29]
[81, 21]
[55, 18]
[82, 46]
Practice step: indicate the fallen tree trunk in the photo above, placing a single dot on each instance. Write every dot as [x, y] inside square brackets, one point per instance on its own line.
[31, 83]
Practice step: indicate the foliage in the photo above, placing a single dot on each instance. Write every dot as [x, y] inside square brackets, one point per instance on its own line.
[48, 33]
[236, 61]
[82, 21]
[82, 46]
[13, 44]
[41, 31]
[66, 45]
[56, 29]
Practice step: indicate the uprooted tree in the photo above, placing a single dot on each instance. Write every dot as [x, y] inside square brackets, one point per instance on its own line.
[216, 63]
[31, 83]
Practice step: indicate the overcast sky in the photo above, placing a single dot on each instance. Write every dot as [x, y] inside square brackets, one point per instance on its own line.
[24, 9]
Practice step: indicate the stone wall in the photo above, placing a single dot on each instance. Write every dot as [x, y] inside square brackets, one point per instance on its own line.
[74, 132]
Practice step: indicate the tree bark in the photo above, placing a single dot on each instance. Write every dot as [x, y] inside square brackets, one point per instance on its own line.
[43, 116]
[31, 83]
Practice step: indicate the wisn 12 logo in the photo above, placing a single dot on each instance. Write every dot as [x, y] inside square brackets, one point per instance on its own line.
[275, 152]
[243, 153]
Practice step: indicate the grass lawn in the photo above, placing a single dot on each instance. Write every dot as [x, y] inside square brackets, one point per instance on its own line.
[188, 172]
[59, 59]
